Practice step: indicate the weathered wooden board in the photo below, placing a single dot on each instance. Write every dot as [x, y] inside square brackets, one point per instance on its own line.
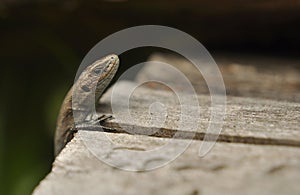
[262, 158]
[248, 120]
[244, 75]
[227, 169]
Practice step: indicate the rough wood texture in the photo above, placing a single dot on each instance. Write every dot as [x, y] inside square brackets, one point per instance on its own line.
[227, 169]
[262, 158]
[248, 120]
[244, 75]
[235, 168]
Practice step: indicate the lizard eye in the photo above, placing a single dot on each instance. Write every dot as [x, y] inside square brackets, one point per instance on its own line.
[85, 88]
[98, 70]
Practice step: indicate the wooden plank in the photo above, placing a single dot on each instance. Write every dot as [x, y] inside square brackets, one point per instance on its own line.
[244, 75]
[248, 120]
[227, 169]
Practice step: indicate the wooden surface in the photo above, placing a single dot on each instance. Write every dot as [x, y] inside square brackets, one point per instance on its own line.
[247, 167]
[248, 120]
[227, 169]
[244, 75]
[257, 151]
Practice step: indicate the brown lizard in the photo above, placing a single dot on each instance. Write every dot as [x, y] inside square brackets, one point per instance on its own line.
[87, 89]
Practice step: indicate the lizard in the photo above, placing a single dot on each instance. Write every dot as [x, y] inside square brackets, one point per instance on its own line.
[87, 89]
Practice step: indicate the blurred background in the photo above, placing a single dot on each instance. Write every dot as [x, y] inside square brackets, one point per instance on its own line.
[43, 42]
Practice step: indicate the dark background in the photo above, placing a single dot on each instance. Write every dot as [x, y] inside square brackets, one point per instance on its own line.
[43, 43]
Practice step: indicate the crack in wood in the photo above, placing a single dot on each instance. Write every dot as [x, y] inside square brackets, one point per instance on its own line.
[113, 127]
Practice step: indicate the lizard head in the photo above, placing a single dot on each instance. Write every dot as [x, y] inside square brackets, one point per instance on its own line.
[98, 75]
[104, 67]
